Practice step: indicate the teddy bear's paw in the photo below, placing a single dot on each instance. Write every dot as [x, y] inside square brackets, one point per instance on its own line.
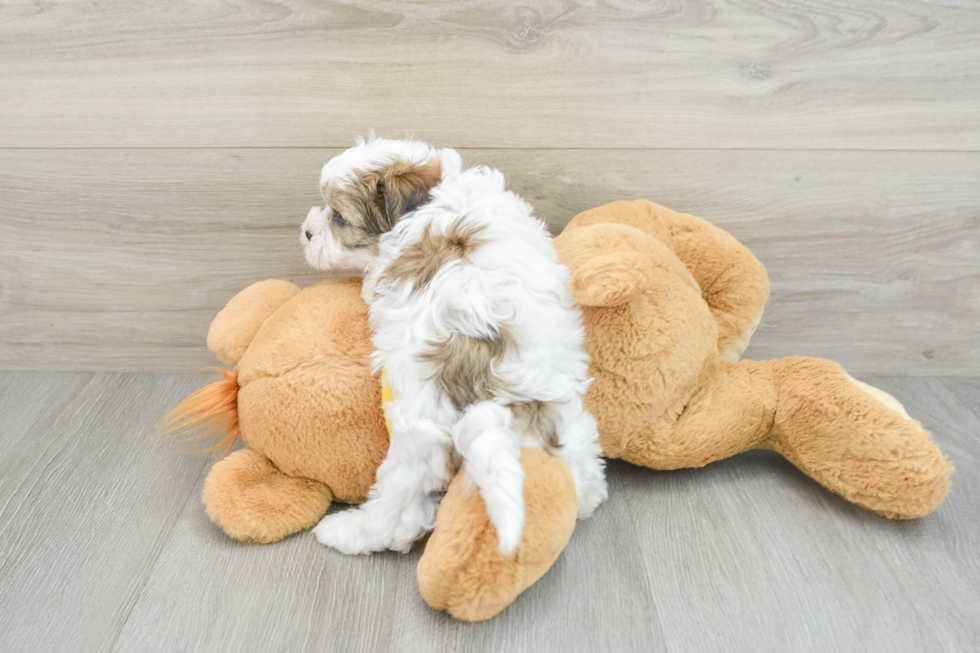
[251, 500]
[463, 570]
[856, 440]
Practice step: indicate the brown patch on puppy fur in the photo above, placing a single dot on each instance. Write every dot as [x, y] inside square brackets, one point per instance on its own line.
[374, 201]
[420, 261]
[464, 367]
[405, 186]
[537, 420]
[362, 207]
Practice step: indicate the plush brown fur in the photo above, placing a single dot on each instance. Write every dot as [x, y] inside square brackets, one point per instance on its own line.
[733, 282]
[309, 349]
[462, 569]
[234, 328]
[253, 501]
[674, 401]
[668, 300]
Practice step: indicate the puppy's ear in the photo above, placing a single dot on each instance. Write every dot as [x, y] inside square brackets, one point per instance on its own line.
[405, 186]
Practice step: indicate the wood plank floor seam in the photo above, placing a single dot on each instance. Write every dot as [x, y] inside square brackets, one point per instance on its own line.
[646, 571]
[192, 495]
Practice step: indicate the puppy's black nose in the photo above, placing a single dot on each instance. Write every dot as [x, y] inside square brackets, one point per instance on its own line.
[309, 235]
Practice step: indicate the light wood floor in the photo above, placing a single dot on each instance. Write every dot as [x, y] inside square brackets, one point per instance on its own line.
[105, 546]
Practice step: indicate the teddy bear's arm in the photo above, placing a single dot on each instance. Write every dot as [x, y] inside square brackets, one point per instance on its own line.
[733, 281]
[612, 263]
[237, 323]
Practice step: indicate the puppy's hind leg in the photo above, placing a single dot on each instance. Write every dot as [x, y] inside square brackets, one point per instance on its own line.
[401, 505]
[578, 436]
[491, 452]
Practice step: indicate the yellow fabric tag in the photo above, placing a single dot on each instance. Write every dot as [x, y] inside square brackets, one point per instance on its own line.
[387, 394]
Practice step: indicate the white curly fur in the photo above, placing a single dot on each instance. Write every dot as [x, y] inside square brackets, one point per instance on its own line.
[513, 281]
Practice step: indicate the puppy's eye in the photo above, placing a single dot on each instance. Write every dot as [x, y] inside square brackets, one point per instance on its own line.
[339, 219]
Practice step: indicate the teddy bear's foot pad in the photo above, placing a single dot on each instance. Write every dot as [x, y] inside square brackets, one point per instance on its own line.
[462, 570]
[251, 500]
[857, 440]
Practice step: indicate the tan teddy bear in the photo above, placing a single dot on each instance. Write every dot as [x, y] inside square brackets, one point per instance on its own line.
[670, 303]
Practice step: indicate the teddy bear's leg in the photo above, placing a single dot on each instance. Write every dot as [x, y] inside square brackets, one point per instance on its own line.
[234, 327]
[462, 570]
[733, 283]
[253, 501]
[729, 412]
[855, 440]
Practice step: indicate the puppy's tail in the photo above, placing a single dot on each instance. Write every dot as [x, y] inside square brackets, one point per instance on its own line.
[212, 412]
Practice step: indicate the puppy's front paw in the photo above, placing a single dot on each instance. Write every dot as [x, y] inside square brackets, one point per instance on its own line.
[346, 531]
[591, 496]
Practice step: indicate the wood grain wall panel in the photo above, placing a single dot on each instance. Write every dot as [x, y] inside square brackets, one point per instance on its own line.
[540, 74]
[118, 259]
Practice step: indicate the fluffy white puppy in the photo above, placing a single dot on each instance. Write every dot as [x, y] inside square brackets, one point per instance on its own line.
[475, 330]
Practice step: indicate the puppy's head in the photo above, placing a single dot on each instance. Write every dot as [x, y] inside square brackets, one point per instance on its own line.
[367, 190]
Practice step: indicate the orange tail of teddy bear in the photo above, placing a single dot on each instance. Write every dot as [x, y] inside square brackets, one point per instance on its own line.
[212, 410]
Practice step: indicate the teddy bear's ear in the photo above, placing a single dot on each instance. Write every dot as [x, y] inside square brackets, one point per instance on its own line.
[236, 324]
[611, 279]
